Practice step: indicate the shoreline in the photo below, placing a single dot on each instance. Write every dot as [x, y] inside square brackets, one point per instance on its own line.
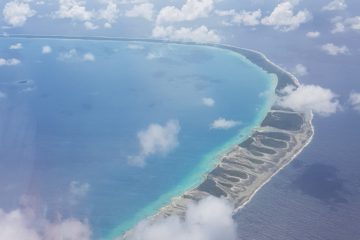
[233, 175]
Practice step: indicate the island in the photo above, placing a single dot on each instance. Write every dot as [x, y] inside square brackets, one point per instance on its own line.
[249, 165]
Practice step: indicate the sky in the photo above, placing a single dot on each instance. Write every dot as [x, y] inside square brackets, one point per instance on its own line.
[305, 37]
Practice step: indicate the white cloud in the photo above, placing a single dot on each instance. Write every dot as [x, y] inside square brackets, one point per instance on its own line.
[222, 123]
[71, 54]
[110, 13]
[78, 189]
[46, 49]
[70, 229]
[89, 57]
[300, 70]
[338, 27]
[144, 10]
[354, 100]
[73, 9]
[341, 24]
[191, 10]
[335, 5]
[74, 55]
[209, 102]
[9, 62]
[156, 139]
[201, 34]
[246, 18]
[16, 226]
[313, 34]
[154, 55]
[90, 26]
[16, 46]
[307, 98]
[209, 219]
[283, 17]
[334, 50]
[17, 12]
[353, 23]
[21, 225]
[135, 46]
[2, 95]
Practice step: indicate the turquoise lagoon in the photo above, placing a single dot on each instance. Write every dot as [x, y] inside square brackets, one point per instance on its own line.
[69, 121]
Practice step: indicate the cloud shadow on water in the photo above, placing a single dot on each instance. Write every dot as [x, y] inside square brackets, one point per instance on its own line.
[322, 182]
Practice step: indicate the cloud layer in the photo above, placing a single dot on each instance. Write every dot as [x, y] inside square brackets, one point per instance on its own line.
[307, 98]
[209, 219]
[23, 225]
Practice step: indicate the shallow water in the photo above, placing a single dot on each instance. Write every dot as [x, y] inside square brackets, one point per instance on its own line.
[68, 126]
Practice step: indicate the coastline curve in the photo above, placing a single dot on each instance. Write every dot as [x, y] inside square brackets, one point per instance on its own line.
[243, 170]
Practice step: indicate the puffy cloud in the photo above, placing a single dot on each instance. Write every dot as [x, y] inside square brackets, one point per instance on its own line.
[313, 34]
[338, 27]
[17, 12]
[201, 34]
[74, 55]
[2, 95]
[70, 229]
[9, 62]
[20, 225]
[46, 49]
[154, 55]
[222, 123]
[209, 219]
[191, 10]
[246, 18]
[73, 9]
[283, 17]
[71, 54]
[353, 22]
[335, 5]
[156, 139]
[354, 100]
[110, 12]
[209, 102]
[307, 98]
[341, 24]
[89, 57]
[300, 70]
[77, 191]
[135, 46]
[144, 10]
[16, 46]
[334, 50]
[16, 226]
[90, 26]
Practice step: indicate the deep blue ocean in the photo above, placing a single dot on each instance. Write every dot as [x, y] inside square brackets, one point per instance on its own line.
[69, 123]
[317, 196]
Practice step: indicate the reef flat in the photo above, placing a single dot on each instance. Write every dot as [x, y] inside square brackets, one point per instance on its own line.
[248, 166]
